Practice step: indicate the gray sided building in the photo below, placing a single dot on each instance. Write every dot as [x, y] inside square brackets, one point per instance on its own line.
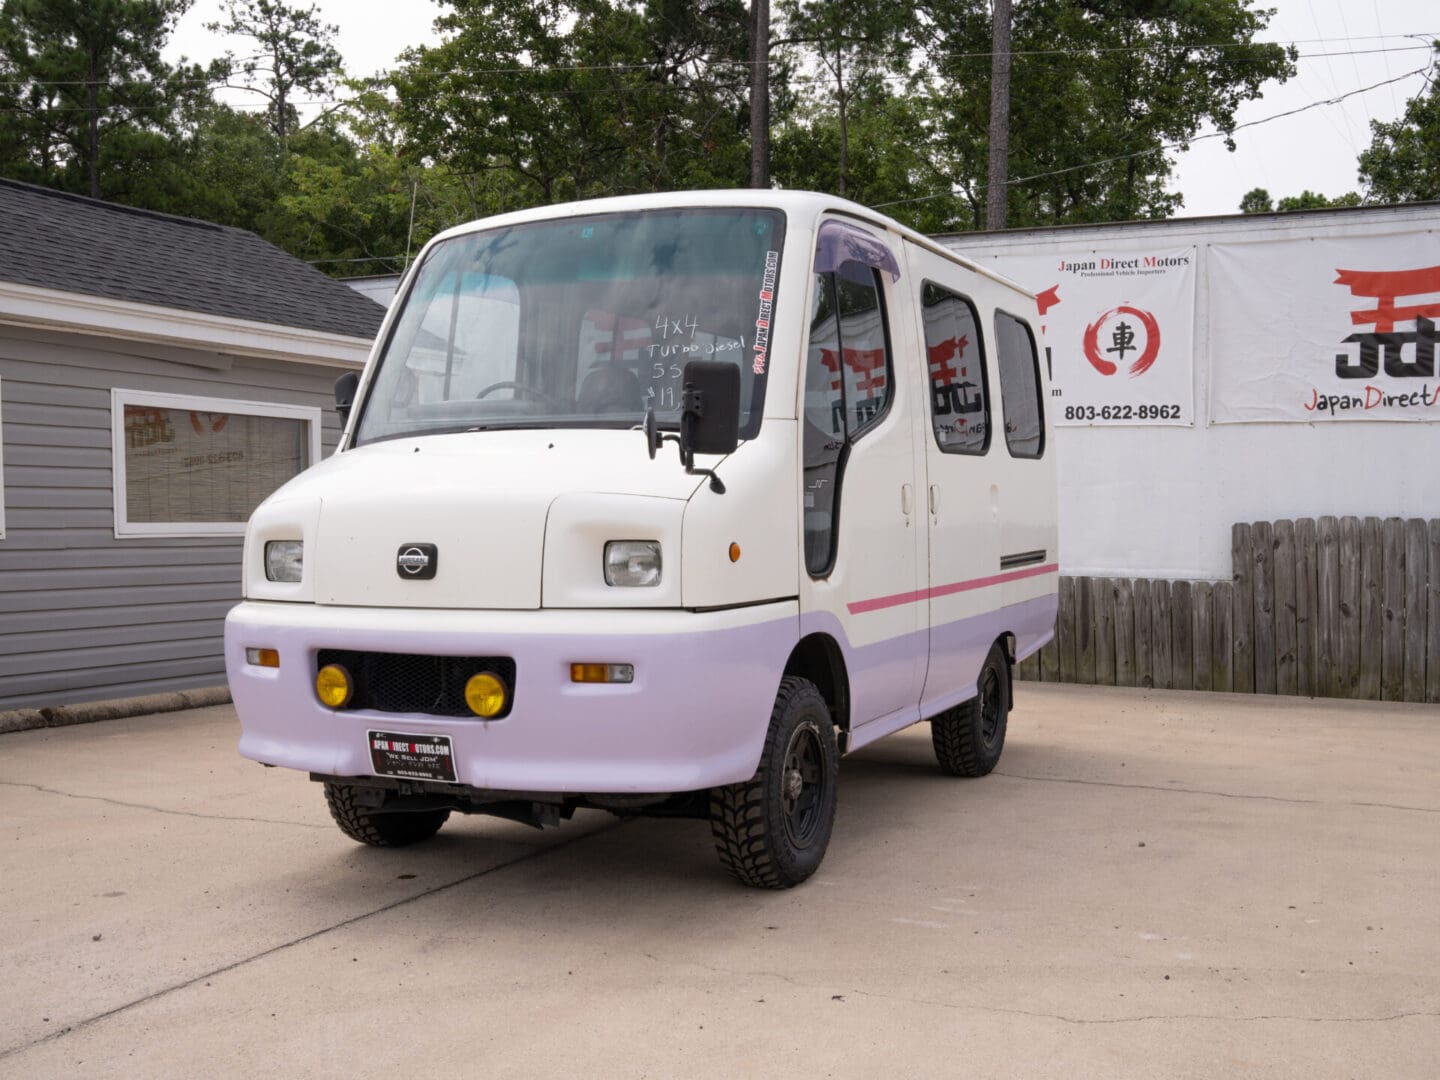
[159, 376]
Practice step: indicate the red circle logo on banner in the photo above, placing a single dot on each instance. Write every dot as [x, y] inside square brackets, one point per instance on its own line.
[1123, 341]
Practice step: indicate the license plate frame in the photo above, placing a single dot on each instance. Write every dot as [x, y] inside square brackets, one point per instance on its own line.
[412, 756]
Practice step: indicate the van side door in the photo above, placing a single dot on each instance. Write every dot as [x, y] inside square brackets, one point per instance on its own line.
[863, 518]
[961, 505]
[1025, 476]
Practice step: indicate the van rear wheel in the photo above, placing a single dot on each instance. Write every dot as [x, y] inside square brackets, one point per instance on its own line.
[968, 739]
[771, 831]
[398, 829]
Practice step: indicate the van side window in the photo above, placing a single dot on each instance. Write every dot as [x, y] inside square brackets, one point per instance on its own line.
[1020, 387]
[862, 345]
[848, 381]
[959, 389]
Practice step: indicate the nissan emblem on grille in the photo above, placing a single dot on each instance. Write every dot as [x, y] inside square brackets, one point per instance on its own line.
[417, 561]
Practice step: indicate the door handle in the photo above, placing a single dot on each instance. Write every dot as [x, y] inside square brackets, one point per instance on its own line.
[934, 499]
[905, 499]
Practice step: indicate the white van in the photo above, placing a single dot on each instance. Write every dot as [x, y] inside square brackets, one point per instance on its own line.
[507, 593]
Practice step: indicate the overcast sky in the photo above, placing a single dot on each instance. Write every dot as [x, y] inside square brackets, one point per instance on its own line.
[1316, 149]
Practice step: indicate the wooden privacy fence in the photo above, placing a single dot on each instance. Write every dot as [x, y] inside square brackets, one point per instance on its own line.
[1329, 607]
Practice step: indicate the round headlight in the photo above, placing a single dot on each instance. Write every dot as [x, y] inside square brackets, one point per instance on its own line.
[333, 686]
[485, 694]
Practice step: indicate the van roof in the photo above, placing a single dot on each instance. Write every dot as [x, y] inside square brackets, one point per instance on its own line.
[804, 207]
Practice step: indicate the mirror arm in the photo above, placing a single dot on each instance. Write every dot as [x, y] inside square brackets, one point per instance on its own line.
[716, 484]
[654, 439]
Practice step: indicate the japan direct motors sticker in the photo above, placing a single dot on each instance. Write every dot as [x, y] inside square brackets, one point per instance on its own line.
[420, 757]
[767, 306]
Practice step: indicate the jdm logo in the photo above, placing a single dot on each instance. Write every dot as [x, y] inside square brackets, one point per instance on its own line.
[1127, 330]
[1383, 341]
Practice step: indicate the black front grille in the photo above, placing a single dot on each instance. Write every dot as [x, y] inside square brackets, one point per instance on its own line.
[405, 683]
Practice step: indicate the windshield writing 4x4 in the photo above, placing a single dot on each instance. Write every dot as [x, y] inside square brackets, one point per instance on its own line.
[578, 322]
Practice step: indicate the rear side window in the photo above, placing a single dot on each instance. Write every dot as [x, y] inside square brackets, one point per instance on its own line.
[959, 390]
[1019, 386]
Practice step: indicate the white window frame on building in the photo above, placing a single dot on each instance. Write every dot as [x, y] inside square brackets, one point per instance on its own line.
[120, 398]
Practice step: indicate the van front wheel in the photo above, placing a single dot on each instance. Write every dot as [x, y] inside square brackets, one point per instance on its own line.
[771, 831]
[968, 738]
[399, 829]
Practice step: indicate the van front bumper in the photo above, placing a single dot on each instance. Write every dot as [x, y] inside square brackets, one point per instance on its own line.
[694, 717]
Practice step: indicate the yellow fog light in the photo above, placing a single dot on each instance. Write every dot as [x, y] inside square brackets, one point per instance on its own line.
[485, 694]
[333, 686]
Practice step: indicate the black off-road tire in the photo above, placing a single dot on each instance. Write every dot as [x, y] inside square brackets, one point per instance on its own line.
[771, 831]
[968, 739]
[380, 830]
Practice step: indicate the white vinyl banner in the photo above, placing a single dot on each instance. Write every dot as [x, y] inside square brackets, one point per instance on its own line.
[1341, 328]
[1118, 331]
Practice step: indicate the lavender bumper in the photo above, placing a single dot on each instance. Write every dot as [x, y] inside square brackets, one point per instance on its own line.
[695, 716]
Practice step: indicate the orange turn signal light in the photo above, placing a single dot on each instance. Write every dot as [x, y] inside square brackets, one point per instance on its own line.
[734, 552]
[263, 657]
[602, 673]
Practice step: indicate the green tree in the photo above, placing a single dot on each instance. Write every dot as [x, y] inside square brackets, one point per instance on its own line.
[88, 86]
[561, 99]
[1099, 90]
[1402, 163]
[890, 158]
[1257, 201]
[291, 51]
[236, 167]
[368, 210]
[1313, 200]
[855, 46]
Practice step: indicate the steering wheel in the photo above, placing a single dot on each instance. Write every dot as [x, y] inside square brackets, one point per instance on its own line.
[519, 387]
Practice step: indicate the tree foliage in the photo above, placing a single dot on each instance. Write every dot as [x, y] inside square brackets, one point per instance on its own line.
[86, 86]
[1402, 163]
[859, 45]
[526, 102]
[561, 99]
[291, 51]
[1100, 92]
[1258, 201]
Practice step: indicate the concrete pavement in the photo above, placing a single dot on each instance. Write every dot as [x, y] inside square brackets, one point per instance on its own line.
[1152, 884]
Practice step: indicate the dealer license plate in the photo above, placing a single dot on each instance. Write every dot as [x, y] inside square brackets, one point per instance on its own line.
[413, 757]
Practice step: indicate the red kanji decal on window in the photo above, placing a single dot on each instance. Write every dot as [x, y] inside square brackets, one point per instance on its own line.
[869, 365]
[939, 356]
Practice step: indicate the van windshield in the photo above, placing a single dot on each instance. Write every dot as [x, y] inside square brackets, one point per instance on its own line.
[584, 321]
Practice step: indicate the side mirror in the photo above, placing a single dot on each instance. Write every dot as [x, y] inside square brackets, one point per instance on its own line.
[345, 387]
[710, 408]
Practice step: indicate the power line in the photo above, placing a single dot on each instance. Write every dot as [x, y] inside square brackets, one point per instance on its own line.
[890, 78]
[548, 69]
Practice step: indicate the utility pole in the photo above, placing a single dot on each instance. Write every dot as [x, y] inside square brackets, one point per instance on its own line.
[997, 186]
[759, 93]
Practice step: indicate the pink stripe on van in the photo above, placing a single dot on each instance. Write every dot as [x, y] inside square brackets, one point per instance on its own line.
[882, 602]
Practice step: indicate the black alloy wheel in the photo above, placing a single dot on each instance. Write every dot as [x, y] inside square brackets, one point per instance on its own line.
[771, 831]
[805, 787]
